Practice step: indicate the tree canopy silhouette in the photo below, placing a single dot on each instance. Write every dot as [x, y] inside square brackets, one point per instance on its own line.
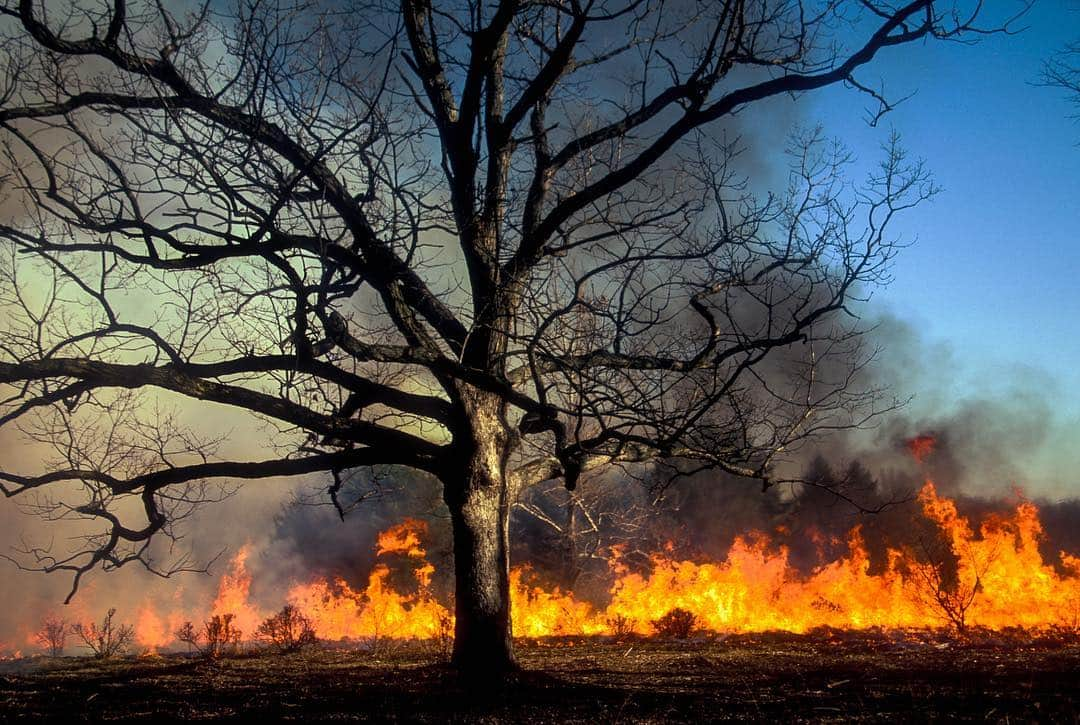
[499, 242]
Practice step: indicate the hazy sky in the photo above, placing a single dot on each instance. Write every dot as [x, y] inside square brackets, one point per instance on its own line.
[994, 270]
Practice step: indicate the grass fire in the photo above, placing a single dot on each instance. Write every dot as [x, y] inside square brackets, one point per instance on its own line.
[990, 612]
[989, 576]
[538, 360]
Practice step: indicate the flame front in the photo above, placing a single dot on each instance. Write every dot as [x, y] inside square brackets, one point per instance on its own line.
[1000, 581]
[336, 610]
[234, 598]
[991, 576]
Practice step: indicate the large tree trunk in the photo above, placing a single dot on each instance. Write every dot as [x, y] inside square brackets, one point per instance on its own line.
[477, 496]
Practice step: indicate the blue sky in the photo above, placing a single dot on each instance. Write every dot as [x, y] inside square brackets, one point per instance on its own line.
[994, 270]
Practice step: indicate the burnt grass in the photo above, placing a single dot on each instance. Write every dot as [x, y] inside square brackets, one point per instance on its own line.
[823, 676]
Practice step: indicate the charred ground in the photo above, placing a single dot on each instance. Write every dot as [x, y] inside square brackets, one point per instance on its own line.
[775, 677]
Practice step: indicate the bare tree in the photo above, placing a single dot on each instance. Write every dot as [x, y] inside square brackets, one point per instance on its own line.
[498, 242]
[1063, 71]
[107, 639]
[52, 635]
[218, 637]
[948, 578]
[288, 630]
[573, 533]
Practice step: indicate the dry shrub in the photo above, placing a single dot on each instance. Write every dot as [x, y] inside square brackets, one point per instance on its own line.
[107, 640]
[442, 639]
[379, 645]
[620, 626]
[218, 637]
[677, 623]
[1069, 620]
[288, 630]
[52, 635]
[940, 587]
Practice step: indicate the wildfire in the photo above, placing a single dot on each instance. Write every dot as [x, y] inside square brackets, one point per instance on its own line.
[1000, 581]
[921, 446]
[336, 610]
[403, 538]
[233, 595]
[151, 631]
[536, 612]
[991, 575]
[378, 611]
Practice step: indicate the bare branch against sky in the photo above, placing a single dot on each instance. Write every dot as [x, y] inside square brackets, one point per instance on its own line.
[499, 243]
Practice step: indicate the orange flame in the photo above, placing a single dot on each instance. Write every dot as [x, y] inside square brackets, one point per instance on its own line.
[921, 446]
[379, 611]
[233, 596]
[1001, 579]
[151, 631]
[993, 575]
[403, 538]
[536, 612]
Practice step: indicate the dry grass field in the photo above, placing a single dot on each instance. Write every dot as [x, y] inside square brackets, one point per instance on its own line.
[825, 676]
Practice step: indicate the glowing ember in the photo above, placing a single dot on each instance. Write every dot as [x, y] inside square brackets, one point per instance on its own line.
[921, 446]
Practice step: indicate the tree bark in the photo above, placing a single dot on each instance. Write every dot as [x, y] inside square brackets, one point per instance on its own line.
[477, 496]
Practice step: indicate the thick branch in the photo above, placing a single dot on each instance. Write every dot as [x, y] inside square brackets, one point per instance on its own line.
[179, 380]
[338, 460]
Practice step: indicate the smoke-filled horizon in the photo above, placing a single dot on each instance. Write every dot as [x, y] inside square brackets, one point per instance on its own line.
[991, 437]
[985, 453]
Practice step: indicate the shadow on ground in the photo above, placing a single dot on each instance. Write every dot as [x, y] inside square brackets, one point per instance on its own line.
[784, 678]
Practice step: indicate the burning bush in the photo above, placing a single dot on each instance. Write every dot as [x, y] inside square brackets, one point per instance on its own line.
[621, 627]
[218, 638]
[946, 596]
[108, 640]
[288, 630]
[948, 580]
[52, 635]
[677, 623]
